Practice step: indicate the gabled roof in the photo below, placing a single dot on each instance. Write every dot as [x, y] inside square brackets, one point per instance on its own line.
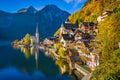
[52, 39]
[78, 31]
[68, 37]
[69, 26]
[73, 50]
[88, 24]
[75, 58]
[107, 12]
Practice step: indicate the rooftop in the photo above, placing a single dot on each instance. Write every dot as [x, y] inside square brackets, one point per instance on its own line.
[75, 58]
[73, 50]
[88, 24]
[68, 37]
[69, 26]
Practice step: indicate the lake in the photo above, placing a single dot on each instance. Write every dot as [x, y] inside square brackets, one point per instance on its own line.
[28, 64]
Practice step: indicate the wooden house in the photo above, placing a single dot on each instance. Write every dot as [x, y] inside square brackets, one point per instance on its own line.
[66, 39]
[93, 59]
[72, 60]
[86, 27]
[104, 15]
[73, 52]
[68, 28]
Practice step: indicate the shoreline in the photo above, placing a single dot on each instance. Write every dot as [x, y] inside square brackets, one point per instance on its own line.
[86, 74]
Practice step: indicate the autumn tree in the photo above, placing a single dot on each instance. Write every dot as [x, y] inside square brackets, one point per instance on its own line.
[27, 39]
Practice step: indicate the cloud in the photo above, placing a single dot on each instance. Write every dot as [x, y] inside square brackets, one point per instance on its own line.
[74, 2]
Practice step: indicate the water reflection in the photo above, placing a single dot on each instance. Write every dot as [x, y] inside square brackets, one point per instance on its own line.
[30, 51]
[63, 66]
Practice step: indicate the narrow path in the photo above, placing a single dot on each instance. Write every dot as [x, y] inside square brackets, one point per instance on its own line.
[87, 77]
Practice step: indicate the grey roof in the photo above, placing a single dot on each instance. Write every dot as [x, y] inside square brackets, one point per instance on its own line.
[78, 31]
[88, 24]
[69, 26]
[72, 50]
[52, 39]
[68, 37]
[75, 58]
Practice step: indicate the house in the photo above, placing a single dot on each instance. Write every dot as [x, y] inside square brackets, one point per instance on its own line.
[49, 41]
[78, 34]
[81, 46]
[104, 15]
[33, 39]
[72, 60]
[87, 27]
[66, 39]
[73, 52]
[78, 46]
[68, 28]
[93, 59]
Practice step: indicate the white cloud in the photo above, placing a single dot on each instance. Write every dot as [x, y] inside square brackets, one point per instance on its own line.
[75, 2]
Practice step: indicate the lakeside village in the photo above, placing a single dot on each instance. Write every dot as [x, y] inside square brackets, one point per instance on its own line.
[71, 43]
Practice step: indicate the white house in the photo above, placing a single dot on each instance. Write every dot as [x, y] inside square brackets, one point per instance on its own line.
[104, 15]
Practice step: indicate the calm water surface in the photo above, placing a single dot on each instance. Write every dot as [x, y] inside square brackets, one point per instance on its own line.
[27, 64]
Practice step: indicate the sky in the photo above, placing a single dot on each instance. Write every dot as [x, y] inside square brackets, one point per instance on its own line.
[14, 5]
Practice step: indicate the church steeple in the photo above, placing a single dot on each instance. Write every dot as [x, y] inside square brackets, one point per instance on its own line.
[37, 34]
[37, 28]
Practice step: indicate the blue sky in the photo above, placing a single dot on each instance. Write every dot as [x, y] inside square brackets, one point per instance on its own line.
[13, 5]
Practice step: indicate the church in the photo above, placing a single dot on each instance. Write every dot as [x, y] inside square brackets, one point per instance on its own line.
[35, 39]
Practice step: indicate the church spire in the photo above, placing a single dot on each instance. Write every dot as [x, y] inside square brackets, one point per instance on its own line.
[37, 34]
[37, 28]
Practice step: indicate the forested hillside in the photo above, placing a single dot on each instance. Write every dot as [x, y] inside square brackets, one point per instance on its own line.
[93, 8]
[108, 37]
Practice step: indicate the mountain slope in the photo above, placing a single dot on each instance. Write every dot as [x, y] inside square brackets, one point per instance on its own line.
[30, 9]
[24, 21]
[94, 8]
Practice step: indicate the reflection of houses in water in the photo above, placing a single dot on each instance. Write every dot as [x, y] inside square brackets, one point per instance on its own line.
[28, 51]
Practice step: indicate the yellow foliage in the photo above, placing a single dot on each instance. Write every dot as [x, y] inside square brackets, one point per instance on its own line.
[57, 32]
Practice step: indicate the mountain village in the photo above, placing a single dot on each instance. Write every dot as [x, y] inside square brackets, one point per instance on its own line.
[72, 43]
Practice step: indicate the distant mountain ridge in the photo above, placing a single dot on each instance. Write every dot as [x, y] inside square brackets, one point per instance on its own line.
[16, 25]
[30, 9]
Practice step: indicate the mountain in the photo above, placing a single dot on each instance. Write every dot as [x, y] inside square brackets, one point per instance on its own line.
[16, 25]
[30, 9]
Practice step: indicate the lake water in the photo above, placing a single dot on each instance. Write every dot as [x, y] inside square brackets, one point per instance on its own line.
[27, 64]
